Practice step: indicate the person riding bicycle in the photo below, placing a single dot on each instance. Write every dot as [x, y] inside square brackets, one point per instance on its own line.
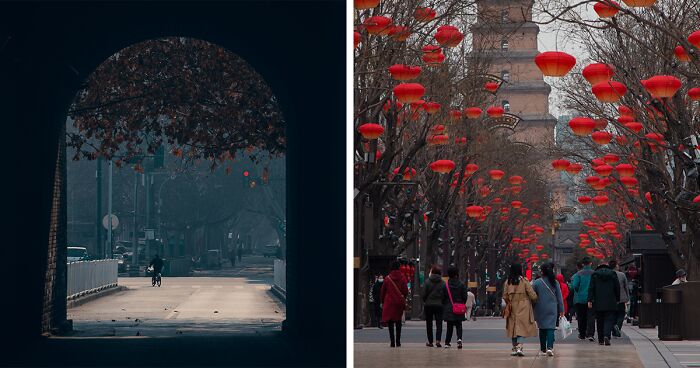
[157, 264]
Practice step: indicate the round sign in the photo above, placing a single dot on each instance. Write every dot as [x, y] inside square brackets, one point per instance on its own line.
[115, 222]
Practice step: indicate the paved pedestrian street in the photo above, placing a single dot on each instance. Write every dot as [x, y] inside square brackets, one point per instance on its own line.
[217, 302]
[485, 345]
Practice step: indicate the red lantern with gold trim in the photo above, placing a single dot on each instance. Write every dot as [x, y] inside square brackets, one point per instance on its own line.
[597, 73]
[662, 86]
[584, 199]
[609, 91]
[370, 131]
[448, 36]
[495, 111]
[601, 137]
[442, 166]
[582, 126]
[604, 9]
[409, 92]
[404, 72]
[681, 55]
[555, 63]
[491, 86]
[472, 112]
[366, 4]
[377, 25]
[496, 174]
[424, 14]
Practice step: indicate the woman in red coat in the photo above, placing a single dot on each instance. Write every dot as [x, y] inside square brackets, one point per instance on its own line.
[393, 297]
[564, 291]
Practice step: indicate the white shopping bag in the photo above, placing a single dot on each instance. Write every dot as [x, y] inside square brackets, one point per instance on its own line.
[564, 327]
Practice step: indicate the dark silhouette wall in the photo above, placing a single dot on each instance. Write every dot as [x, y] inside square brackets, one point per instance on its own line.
[48, 49]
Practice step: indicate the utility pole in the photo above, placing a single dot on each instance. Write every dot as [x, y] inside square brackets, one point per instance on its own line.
[99, 242]
[109, 211]
[135, 238]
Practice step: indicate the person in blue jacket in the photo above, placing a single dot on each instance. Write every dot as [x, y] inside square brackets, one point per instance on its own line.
[585, 316]
[549, 307]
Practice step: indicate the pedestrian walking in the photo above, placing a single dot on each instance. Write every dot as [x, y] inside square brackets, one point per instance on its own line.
[624, 299]
[564, 292]
[680, 277]
[603, 296]
[432, 293]
[393, 298]
[240, 253]
[549, 307]
[376, 302]
[232, 256]
[584, 315]
[454, 298]
[520, 319]
[471, 303]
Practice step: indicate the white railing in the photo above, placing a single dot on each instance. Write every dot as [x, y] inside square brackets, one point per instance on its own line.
[85, 277]
[281, 274]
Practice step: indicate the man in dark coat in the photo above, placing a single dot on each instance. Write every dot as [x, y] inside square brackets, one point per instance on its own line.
[603, 298]
[432, 301]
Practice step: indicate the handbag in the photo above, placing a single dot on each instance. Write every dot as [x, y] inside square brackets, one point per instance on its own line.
[405, 303]
[457, 308]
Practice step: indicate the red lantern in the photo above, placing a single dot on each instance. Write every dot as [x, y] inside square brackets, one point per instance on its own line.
[603, 170]
[399, 33]
[611, 158]
[516, 190]
[662, 85]
[606, 8]
[634, 126]
[484, 191]
[625, 111]
[656, 137]
[601, 124]
[625, 170]
[516, 204]
[609, 91]
[601, 137]
[472, 112]
[560, 165]
[524, 211]
[404, 72]
[515, 180]
[592, 180]
[582, 126]
[629, 181]
[366, 4]
[437, 139]
[424, 14]
[555, 63]
[495, 111]
[639, 3]
[624, 119]
[377, 25]
[408, 173]
[694, 39]
[696, 199]
[539, 247]
[448, 36]
[431, 107]
[629, 215]
[409, 92]
[597, 73]
[600, 200]
[491, 86]
[370, 131]
[694, 94]
[574, 168]
[545, 256]
[496, 174]
[471, 169]
[681, 55]
[442, 166]
[455, 115]
[474, 211]
[584, 199]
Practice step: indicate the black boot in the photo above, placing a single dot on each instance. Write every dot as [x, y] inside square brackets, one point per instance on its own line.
[391, 334]
[398, 333]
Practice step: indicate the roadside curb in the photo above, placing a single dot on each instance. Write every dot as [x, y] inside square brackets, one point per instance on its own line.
[90, 297]
[652, 352]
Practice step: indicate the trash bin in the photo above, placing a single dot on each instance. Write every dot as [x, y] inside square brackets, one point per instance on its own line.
[647, 310]
[670, 314]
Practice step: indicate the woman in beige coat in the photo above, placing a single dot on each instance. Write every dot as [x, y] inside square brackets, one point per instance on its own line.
[520, 320]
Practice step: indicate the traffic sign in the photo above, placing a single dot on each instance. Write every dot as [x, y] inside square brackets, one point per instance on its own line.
[115, 222]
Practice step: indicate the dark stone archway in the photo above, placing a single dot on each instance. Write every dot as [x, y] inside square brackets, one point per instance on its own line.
[48, 49]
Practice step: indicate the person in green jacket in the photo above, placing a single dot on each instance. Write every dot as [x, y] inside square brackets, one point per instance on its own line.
[585, 316]
[432, 301]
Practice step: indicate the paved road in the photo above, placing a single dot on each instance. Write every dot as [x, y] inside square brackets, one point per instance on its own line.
[210, 303]
[485, 345]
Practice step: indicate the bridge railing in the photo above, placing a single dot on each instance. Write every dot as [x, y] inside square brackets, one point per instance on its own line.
[86, 277]
[281, 274]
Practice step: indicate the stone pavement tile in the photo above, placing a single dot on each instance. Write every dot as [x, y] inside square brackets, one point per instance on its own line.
[494, 355]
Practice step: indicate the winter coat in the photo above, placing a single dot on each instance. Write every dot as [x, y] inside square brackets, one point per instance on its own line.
[394, 301]
[521, 321]
[564, 292]
[433, 290]
[459, 295]
[604, 290]
[624, 287]
[549, 303]
[376, 292]
[579, 283]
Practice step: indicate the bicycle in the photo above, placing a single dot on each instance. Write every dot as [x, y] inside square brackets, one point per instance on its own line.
[155, 278]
